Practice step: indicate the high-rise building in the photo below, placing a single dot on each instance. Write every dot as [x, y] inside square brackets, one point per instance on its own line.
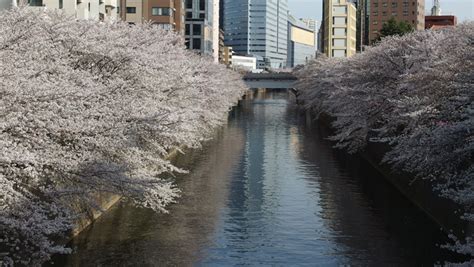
[257, 28]
[301, 42]
[340, 22]
[167, 14]
[410, 11]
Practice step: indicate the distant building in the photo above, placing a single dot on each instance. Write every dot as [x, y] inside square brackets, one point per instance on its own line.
[312, 25]
[200, 29]
[245, 62]
[436, 9]
[301, 46]
[167, 14]
[438, 21]
[363, 16]
[339, 28]
[227, 56]
[81, 9]
[257, 28]
[410, 11]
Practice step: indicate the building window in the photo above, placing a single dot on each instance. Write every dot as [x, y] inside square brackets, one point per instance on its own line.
[161, 11]
[197, 43]
[338, 53]
[376, 4]
[35, 2]
[394, 14]
[339, 42]
[187, 29]
[375, 22]
[189, 15]
[339, 31]
[394, 4]
[186, 41]
[384, 4]
[339, 20]
[131, 10]
[202, 4]
[384, 13]
[61, 4]
[196, 29]
[189, 4]
[340, 10]
[376, 13]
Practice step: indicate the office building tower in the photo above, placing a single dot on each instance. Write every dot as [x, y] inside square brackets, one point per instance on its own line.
[257, 28]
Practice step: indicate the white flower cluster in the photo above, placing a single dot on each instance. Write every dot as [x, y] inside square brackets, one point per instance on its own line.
[89, 108]
[414, 92]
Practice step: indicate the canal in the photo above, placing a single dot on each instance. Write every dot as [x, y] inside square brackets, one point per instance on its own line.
[267, 190]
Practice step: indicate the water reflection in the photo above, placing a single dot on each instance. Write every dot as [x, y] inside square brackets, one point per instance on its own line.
[268, 190]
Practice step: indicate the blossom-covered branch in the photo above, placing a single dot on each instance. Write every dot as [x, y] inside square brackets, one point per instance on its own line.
[89, 107]
[414, 92]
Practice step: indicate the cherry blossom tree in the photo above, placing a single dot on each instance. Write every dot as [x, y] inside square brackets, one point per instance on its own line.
[90, 108]
[413, 92]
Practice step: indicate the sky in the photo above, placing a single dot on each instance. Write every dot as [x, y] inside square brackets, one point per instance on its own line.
[462, 9]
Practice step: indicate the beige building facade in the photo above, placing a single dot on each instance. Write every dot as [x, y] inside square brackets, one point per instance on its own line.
[82, 9]
[340, 22]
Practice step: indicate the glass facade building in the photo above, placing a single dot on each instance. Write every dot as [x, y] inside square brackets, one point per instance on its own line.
[257, 28]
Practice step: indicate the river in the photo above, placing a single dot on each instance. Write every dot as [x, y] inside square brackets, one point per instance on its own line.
[269, 189]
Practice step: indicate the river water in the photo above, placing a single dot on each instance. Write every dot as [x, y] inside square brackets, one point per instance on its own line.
[267, 190]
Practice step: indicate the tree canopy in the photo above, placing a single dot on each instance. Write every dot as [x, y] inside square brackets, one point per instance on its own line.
[88, 108]
[413, 92]
[394, 27]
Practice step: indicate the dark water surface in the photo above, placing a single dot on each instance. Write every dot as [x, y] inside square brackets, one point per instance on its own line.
[268, 190]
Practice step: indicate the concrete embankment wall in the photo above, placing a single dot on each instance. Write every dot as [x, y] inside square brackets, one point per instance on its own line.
[445, 212]
[105, 201]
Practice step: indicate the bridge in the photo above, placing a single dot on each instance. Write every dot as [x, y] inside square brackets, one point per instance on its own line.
[270, 80]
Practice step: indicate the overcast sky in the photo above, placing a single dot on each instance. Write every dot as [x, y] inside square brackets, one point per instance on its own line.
[463, 9]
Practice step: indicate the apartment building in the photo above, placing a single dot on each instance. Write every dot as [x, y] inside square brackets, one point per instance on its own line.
[339, 28]
[410, 11]
[167, 14]
[81, 9]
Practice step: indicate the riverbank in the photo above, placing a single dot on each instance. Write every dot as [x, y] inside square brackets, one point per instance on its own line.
[445, 212]
[268, 190]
